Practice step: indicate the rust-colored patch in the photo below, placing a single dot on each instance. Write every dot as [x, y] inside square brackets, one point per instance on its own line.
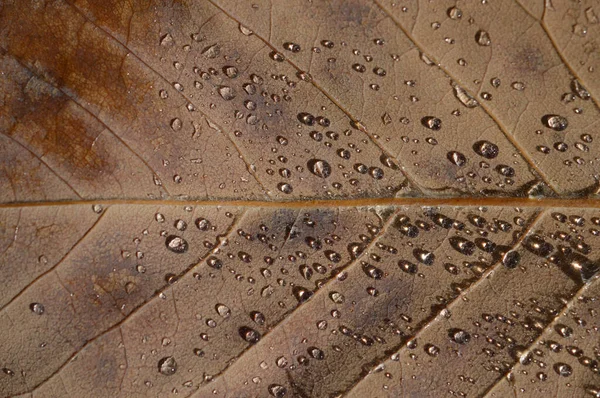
[52, 126]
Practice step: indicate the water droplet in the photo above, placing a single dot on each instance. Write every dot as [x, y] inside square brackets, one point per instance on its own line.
[432, 123]
[333, 256]
[302, 294]
[319, 167]
[591, 16]
[343, 153]
[316, 353]
[511, 259]
[538, 246]
[214, 262]
[167, 366]
[285, 187]
[379, 72]
[465, 98]
[223, 310]
[563, 369]
[176, 244]
[306, 118]
[372, 271]
[555, 122]
[580, 90]
[564, 330]
[519, 86]
[166, 40]
[8, 372]
[457, 158]
[37, 308]
[226, 93]
[462, 245]
[245, 31]
[407, 266]
[176, 124]
[431, 350]
[203, 224]
[277, 390]
[459, 336]
[424, 256]
[249, 335]
[293, 47]
[454, 13]
[359, 68]
[277, 56]
[483, 38]
[230, 71]
[258, 317]
[486, 149]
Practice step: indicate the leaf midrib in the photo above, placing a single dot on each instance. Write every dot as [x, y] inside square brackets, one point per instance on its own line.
[592, 203]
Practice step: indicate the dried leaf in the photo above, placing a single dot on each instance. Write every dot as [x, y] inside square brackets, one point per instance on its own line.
[313, 199]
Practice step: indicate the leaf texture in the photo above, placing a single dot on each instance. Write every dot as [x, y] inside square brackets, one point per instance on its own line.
[360, 198]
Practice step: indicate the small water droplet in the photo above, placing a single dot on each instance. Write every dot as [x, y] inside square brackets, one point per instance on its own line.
[563, 369]
[278, 391]
[456, 158]
[176, 244]
[555, 122]
[511, 259]
[486, 149]
[319, 167]
[167, 366]
[226, 93]
[37, 308]
[483, 38]
[454, 13]
[432, 123]
[249, 335]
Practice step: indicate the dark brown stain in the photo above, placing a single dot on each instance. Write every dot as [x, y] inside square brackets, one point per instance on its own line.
[56, 128]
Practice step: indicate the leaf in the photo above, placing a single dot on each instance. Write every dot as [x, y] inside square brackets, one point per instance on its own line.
[313, 199]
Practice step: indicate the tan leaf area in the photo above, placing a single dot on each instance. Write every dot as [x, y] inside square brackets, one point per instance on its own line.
[360, 198]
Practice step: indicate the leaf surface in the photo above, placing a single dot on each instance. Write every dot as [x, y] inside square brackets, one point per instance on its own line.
[313, 199]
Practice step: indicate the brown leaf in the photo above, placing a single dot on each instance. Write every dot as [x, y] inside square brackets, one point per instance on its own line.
[313, 199]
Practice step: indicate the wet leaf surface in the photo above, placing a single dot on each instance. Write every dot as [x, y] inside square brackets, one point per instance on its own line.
[308, 199]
